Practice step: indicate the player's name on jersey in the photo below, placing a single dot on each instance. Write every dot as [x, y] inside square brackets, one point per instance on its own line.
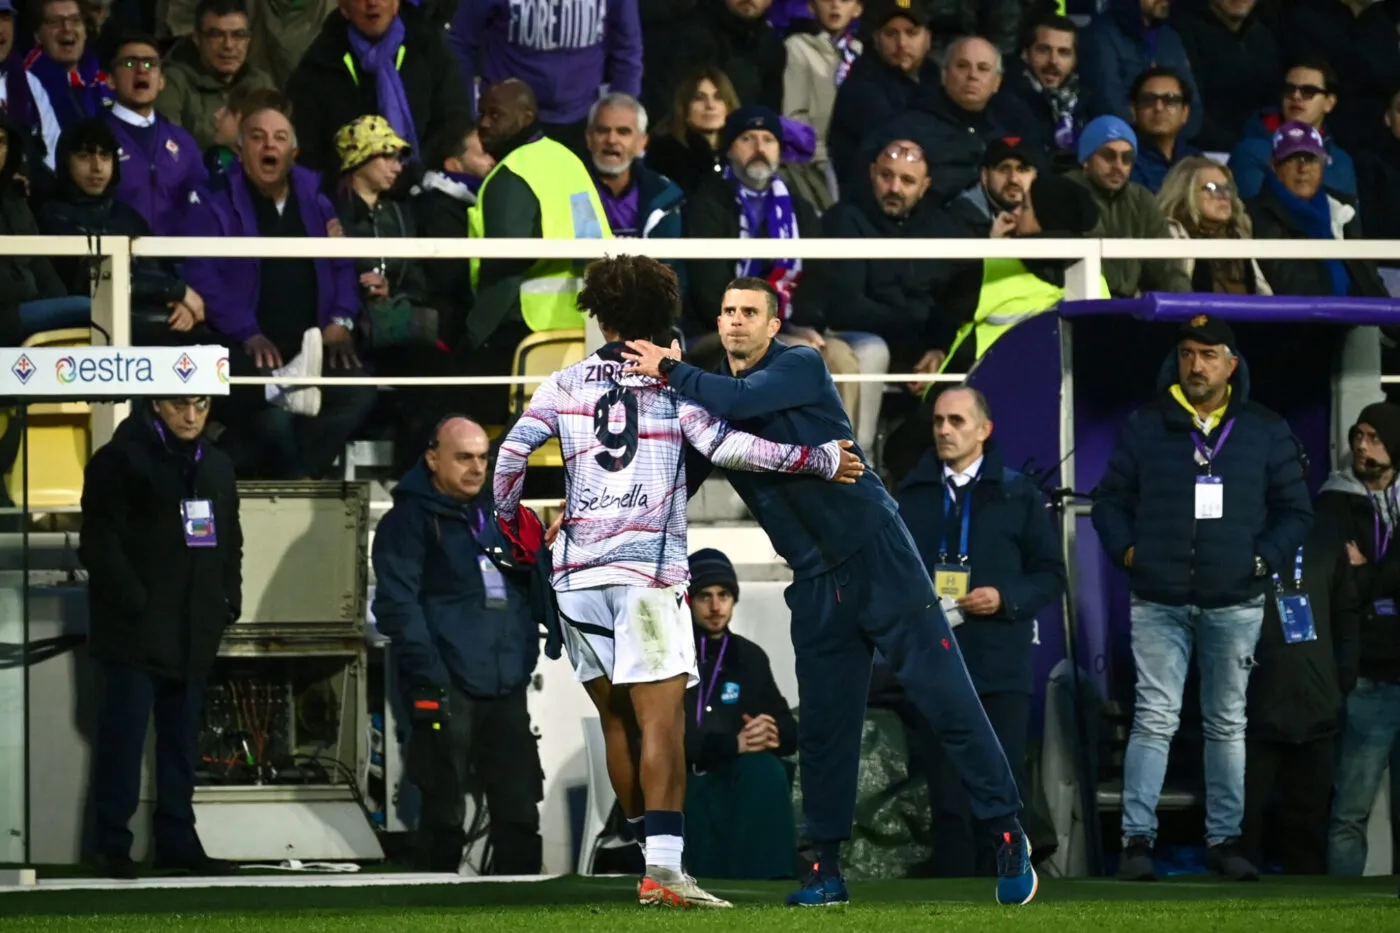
[589, 500]
[602, 372]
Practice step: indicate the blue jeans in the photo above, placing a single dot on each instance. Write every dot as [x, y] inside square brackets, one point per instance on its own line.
[1373, 724]
[1163, 636]
[44, 314]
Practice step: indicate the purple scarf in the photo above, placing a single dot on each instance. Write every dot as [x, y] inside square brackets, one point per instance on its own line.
[846, 47]
[73, 94]
[381, 60]
[769, 211]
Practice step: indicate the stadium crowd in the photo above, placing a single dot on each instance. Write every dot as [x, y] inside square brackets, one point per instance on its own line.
[740, 119]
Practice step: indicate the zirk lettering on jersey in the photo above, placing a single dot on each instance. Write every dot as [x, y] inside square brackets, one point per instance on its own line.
[590, 501]
[115, 368]
[602, 372]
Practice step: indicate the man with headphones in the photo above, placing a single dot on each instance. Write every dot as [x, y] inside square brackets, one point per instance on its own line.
[464, 619]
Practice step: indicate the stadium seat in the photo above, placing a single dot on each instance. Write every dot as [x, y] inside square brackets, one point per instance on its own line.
[541, 354]
[601, 799]
[59, 437]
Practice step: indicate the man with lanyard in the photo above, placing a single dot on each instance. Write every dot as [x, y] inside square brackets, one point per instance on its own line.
[1358, 507]
[1203, 499]
[988, 543]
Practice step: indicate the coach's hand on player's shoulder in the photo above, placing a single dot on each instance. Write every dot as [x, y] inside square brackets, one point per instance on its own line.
[851, 467]
[645, 357]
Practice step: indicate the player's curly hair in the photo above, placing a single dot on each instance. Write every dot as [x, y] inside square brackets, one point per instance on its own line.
[635, 297]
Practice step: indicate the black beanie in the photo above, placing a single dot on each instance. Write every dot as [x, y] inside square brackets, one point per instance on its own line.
[1384, 419]
[1061, 206]
[710, 567]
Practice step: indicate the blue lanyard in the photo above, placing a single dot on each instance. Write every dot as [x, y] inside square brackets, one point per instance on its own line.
[1297, 572]
[949, 504]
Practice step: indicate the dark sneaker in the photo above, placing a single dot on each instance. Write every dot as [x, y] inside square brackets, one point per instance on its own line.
[201, 867]
[120, 867]
[1228, 862]
[1136, 863]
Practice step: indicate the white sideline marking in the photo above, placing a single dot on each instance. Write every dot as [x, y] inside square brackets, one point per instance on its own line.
[308, 880]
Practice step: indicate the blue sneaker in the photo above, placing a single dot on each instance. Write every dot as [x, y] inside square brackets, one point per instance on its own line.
[820, 890]
[1017, 883]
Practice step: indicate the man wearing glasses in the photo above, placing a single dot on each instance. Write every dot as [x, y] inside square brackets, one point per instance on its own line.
[204, 67]
[1308, 95]
[159, 164]
[163, 550]
[1108, 148]
[1160, 103]
[67, 82]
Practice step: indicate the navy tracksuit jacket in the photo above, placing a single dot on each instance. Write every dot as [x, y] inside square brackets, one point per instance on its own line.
[857, 581]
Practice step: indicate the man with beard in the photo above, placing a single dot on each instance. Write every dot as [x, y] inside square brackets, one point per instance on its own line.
[1008, 168]
[1360, 507]
[538, 190]
[1202, 501]
[638, 201]
[1108, 148]
[1046, 79]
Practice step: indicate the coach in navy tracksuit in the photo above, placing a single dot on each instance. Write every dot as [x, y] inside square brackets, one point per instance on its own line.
[1015, 569]
[857, 580]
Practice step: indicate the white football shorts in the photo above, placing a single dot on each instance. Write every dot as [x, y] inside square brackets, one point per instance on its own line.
[629, 634]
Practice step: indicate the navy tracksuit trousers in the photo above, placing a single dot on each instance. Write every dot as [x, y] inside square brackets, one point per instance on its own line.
[882, 597]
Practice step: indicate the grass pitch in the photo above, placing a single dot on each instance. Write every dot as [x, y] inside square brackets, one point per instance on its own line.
[606, 905]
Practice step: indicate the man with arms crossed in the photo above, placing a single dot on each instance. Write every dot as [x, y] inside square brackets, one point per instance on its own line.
[858, 581]
[621, 567]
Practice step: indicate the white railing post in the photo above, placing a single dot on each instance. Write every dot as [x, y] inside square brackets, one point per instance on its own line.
[1082, 278]
[111, 311]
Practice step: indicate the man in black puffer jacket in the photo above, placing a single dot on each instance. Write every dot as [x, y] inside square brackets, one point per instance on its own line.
[163, 550]
[1202, 500]
[1296, 697]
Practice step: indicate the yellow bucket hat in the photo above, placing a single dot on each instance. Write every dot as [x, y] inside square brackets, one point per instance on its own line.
[364, 138]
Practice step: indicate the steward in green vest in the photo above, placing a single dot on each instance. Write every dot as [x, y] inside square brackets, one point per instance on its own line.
[1012, 290]
[539, 190]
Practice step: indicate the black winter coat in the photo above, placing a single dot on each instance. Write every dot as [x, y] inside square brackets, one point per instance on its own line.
[872, 95]
[1345, 513]
[1272, 221]
[155, 603]
[440, 211]
[743, 687]
[1012, 546]
[22, 278]
[1296, 692]
[1236, 74]
[688, 164]
[1378, 188]
[714, 213]
[1146, 500]
[899, 299]
[325, 95]
[750, 52]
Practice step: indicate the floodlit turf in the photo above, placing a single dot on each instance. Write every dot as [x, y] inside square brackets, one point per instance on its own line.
[604, 906]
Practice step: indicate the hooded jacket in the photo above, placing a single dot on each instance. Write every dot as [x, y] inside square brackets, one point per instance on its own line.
[326, 93]
[22, 278]
[1012, 546]
[1347, 511]
[161, 171]
[1132, 211]
[1146, 500]
[1116, 48]
[563, 49]
[1297, 692]
[194, 93]
[430, 597]
[1236, 73]
[230, 286]
[742, 686]
[1252, 157]
[156, 603]
[899, 299]
[154, 283]
[872, 95]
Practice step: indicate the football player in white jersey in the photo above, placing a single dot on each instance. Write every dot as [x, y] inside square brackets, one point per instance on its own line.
[620, 563]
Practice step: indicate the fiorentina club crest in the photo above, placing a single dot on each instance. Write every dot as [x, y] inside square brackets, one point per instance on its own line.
[23, 369]
[184, 367]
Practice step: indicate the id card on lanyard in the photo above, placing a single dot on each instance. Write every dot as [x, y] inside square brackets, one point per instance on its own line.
[950, 580]
[1383, 607]
[1210, 489]
[1294, 610]
[491, 577]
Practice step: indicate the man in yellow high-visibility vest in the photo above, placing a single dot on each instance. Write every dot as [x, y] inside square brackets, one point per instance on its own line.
[540, 190]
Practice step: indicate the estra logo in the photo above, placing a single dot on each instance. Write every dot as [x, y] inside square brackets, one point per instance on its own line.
[118, 368]
[221, 370]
